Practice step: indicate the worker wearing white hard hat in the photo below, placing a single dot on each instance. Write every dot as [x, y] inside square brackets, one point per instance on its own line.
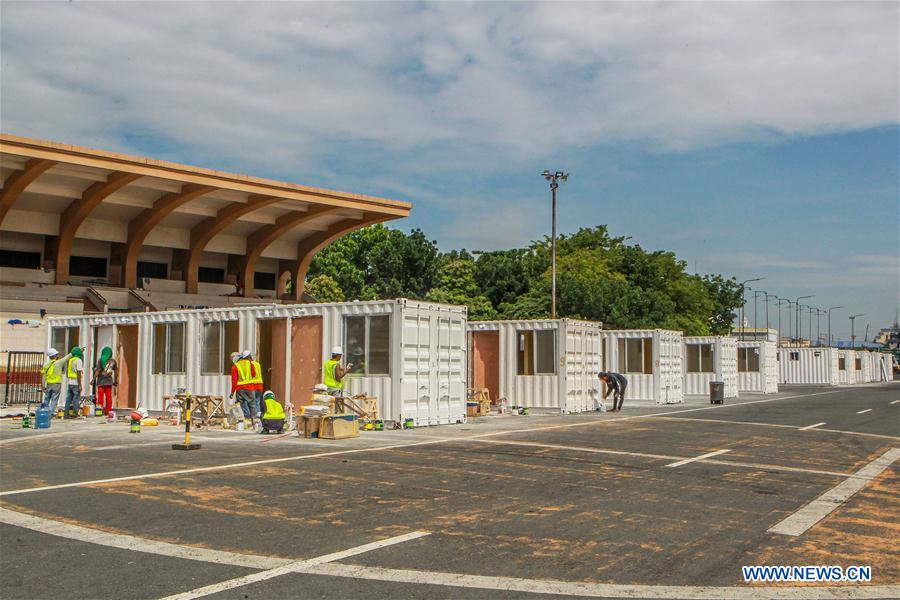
[247, 385]
[51, 375]
[333, 373]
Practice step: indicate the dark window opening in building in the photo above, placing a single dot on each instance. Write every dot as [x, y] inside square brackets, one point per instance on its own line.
[21, 260]
[87, 266]
[153, 270]
[264, 281]
[211, 275]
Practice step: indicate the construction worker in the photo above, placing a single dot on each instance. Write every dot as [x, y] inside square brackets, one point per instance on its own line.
[333, 373]
[273, 414]
[233, 408]
[52, 379]
[106, 373]
[616, 385]
[74, 375]
[247, 385]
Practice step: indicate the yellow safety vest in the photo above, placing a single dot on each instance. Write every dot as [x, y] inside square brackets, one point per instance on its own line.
[244, 376]
[274, 410]
[70, 372]
[328, 375]
[50, 374]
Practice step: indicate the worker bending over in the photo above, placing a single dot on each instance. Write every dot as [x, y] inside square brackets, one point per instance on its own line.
[615, 384]
[247, 385]
[273, 414]
[52, 379]
[333, 373]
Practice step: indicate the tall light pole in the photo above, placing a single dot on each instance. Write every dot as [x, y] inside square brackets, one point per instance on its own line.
[810, 309]
[799, 329]
[819, 313]
[744, 300]
[767, 311]
[756, 294]
[790, 320]
[780, 300]
[830, 339]
[554, 179]
[853, 330]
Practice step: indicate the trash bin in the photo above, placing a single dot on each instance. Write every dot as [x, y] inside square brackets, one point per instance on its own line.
[716, 392]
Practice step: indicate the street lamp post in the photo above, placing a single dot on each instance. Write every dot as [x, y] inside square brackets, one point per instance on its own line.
[819, 312]
[799, 328]
[554, 179]
[830, 339]
[744, 300]
[767, 310]
[853, 330]
[780, 300]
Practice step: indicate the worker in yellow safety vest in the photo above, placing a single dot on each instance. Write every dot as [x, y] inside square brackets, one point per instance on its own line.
[333, 373]
[247, 385]
[74, 373]
[52, 376]
[273, 414]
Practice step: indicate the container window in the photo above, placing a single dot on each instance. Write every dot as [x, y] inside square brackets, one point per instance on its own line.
[220, 339]
[636, 356]
[367, 344]
[378, 360]
[859, 364]
[748, 360]
[64, 338]
[842, 363]
[168, 348]
[795, 356]
[525, 353]
[545, 352]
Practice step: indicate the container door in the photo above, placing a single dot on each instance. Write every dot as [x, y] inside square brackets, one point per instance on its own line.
[439, 412]
[416, 386]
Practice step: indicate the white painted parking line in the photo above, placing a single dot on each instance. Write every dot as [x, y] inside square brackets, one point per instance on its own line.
[576, 449]
[696, 458]
[460, 580]
[294, 567]
[780, 426]
[859, 412]
[602, 590]
[800, 521]
[808, 427]
[895, 401]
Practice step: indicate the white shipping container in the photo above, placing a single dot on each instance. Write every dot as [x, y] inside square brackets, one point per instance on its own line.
[847, 373]
[543, 363]
[886, 367]
[810, 366]
[758, 367]
[710, 358]
[410, 355]
[651, 360]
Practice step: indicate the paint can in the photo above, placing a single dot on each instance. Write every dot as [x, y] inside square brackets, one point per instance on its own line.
[523, 410]
[409, 423]
[26, 422]
[378, 425]
[111, 416]
[98, 411]
[135, 426]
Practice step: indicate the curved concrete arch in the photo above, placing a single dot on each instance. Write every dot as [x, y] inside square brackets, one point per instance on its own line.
[143, 224]
[78, 211]
[203, 233]
[263, 238]
[308, 248]
[18, 181]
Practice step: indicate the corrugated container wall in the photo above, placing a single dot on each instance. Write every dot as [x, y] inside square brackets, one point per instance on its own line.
[410, 355]
[543, 363]
[710, 358]
[869, 367]
[758, 367]
[651, 360]
[808, 366]
[847, 373]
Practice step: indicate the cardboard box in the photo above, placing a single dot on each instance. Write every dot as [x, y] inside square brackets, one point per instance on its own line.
[310, 426]
[473, 410]
[339, 427]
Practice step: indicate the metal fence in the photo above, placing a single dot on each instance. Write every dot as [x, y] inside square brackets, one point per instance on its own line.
[23, 377]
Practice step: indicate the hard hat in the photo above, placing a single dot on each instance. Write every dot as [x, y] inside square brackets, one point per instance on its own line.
[268, 394]
[52, 352]
[245, 354]
[235, 356]
[337, 350]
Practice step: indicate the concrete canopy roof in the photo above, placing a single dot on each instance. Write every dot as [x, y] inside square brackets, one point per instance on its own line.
[111, 197]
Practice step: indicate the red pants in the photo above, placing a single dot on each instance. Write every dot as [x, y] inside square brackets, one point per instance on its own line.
[104, 397]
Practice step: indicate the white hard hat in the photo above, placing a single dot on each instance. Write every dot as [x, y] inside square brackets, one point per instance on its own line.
[52, 352]
[235, 356]
[245, 353]
[337, 350]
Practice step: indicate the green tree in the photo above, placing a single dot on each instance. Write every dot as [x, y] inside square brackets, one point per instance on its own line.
[456, 285]
[323, 288]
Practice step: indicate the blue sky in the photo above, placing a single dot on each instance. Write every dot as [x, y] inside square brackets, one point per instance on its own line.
[753, 139]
